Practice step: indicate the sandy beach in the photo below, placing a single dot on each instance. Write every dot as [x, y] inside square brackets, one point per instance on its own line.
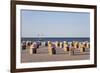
[43, 56]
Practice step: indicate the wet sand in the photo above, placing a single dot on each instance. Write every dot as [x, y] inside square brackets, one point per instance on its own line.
[43, 56]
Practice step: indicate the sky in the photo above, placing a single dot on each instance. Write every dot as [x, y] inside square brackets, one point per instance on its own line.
[54, 24]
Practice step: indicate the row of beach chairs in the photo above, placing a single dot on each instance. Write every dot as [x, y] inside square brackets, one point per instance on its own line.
[52, 46]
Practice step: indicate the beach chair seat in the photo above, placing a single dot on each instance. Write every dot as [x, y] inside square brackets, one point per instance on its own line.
[53, 51]
[34, 50]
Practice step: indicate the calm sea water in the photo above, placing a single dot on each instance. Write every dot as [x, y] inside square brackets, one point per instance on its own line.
[56, 39]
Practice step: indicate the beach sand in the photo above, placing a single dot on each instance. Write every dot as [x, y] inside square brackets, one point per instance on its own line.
[43, 56]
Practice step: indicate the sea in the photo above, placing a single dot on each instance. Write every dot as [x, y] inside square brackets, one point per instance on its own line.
[81, 39]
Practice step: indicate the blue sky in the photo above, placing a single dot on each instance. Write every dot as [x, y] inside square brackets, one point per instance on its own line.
[54, 24]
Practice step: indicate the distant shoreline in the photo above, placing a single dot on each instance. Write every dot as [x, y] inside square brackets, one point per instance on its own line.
[56, 39]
